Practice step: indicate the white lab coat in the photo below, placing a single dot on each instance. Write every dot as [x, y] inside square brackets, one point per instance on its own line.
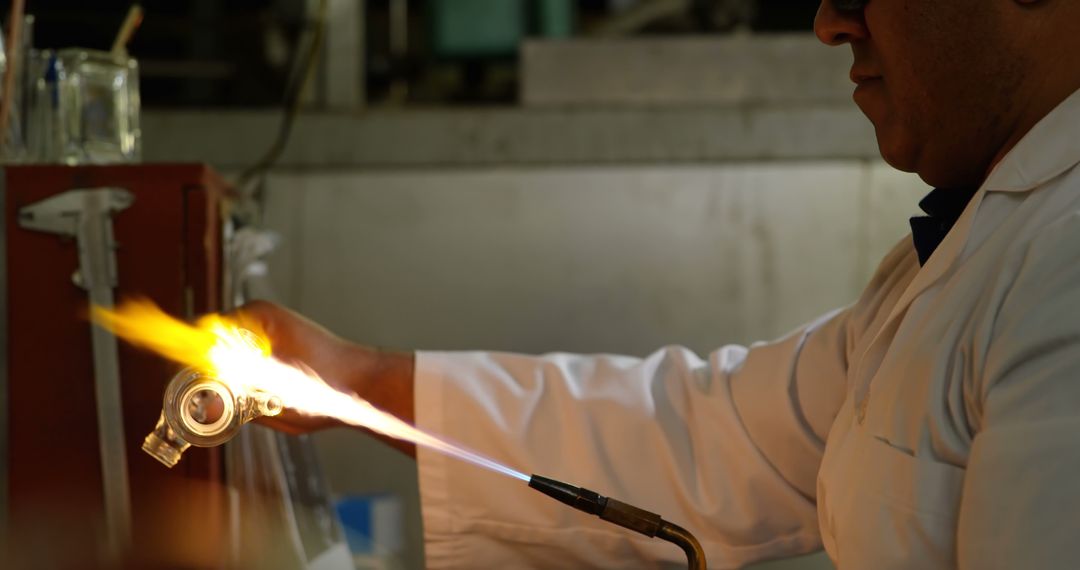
[935, 423]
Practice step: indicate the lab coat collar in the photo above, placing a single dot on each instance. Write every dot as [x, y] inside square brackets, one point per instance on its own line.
[1051, 147]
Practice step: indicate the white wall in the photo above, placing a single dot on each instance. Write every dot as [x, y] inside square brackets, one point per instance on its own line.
[589, 259]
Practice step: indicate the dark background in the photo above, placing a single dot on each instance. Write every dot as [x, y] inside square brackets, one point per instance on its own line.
[211, 53]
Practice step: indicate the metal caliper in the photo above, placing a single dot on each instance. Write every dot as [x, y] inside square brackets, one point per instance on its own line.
[86, 215]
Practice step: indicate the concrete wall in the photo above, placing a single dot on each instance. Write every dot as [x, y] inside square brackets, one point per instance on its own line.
[589, 259]
[666, 71]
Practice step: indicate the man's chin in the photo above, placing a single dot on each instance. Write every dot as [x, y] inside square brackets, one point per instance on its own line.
[894, 143]
[937, 164]
[897, 153]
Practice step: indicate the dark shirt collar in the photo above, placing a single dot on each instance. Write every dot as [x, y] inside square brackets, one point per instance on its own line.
[943, 207]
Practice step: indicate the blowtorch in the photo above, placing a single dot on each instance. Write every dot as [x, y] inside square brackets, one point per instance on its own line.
[207, 408]
[624, 515]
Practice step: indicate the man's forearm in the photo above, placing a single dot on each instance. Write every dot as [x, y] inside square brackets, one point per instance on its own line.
[387, 382]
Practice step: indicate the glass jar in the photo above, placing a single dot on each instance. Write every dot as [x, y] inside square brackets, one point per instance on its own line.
[84, 107]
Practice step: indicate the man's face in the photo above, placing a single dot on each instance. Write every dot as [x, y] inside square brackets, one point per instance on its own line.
[934, 78]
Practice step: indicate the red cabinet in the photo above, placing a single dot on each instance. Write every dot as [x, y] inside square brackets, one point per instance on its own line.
[168, 249]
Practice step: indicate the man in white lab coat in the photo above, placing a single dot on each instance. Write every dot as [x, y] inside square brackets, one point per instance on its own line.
[934, 423]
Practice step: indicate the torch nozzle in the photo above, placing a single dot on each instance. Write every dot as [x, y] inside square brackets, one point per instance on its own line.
[622, 514]
[581, 499]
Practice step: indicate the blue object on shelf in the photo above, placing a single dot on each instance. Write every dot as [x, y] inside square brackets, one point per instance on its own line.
[372, 523]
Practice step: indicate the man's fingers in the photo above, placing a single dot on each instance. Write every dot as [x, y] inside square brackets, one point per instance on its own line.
[259, 316]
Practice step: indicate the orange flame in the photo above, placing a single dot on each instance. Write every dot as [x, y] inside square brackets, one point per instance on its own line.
[235, 352]
[143, 324]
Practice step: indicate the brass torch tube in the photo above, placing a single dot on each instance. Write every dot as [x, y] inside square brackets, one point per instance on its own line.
[624, 515]
[673, 533]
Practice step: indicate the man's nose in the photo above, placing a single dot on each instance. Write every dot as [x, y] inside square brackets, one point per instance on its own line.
[835, 28]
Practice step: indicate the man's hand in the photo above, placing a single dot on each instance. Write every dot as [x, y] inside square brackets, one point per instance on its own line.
[384, 378]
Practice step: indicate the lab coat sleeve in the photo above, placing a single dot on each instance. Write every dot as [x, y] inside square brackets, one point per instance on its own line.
[1021, 493]
[728, 446]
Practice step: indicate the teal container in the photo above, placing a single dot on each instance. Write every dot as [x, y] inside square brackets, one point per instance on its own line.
[477, 28]
[555, 18]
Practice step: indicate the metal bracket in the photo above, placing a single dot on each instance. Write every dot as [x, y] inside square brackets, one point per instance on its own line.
[86, 215]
